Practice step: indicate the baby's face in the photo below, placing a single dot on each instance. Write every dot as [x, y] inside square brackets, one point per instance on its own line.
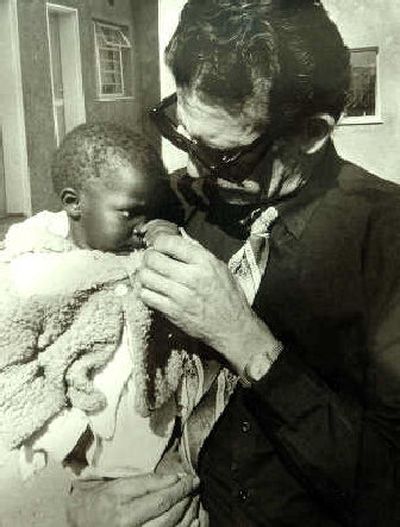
[110, 213]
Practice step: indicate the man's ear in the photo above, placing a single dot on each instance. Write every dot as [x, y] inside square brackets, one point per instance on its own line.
[317, 131]
[71, 203]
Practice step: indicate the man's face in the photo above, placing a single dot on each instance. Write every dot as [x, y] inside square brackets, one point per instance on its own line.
[213, 127]
[110, 213]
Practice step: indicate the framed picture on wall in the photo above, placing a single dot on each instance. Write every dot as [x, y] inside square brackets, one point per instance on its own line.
[363, 101]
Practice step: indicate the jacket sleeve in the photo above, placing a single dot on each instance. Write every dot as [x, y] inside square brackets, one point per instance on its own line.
[346, 450]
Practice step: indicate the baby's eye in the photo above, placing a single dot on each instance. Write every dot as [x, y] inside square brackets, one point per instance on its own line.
[131, 213]
[127, 214]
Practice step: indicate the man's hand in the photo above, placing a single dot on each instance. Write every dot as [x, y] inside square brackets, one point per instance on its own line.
[149, 500]
[198, 293]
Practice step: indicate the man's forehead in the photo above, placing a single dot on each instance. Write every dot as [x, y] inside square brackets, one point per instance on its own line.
[213, 124]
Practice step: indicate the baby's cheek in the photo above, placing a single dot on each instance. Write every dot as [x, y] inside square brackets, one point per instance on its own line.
[115, 231]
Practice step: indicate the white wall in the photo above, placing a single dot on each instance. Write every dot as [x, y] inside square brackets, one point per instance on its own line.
[364, 23]
[11, 112]
[169, 11]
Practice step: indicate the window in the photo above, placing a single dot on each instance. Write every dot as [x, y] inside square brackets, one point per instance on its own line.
[363, 105]
[112, 58]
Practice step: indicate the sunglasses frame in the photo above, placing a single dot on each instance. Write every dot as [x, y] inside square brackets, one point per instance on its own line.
[168, 129]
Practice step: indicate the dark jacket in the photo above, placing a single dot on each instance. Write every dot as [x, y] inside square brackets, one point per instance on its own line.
[316, 442]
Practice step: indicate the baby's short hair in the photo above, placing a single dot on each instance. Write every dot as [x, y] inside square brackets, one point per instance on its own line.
[89, 147]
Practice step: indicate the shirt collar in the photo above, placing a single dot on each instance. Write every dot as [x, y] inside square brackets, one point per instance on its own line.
[296, 212]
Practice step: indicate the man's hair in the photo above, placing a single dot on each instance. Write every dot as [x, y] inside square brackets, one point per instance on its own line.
[286, 53]
[90, 147]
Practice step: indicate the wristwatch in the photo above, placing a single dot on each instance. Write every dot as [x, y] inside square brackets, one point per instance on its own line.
[259, 364]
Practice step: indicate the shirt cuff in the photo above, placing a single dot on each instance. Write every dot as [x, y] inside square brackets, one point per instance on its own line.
[289, 390]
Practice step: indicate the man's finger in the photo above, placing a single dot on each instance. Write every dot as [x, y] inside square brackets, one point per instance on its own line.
[152, 235]
[171, 518]
[149, 279]
[166, 266]
[182, 249]
[204, 520]
[152, 224]
[153, 505]
[159, 302]
[191, 513]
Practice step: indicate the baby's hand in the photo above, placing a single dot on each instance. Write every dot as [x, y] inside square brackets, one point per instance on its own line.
[154, 228]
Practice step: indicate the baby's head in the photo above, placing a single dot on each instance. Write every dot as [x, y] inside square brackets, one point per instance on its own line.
[110, 181]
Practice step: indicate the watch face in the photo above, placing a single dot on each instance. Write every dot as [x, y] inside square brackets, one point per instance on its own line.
[258, 366]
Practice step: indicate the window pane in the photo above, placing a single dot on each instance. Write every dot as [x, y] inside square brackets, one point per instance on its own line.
[107, 89]
[110, 70]
[361, 99]
[111, 78]
[107, 64]
[112, 89]
[111, 36]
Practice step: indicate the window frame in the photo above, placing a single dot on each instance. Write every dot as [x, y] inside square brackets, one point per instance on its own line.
[376, 118]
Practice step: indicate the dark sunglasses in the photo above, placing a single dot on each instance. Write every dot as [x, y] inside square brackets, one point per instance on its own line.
[227, 163]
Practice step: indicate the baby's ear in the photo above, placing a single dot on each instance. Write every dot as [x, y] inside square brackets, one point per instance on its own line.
[71, 203]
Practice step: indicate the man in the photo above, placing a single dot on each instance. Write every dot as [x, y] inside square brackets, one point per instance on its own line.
[314, 439]
[312, 434]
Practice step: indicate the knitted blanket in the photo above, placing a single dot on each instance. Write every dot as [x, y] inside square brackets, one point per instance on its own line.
[62, 313]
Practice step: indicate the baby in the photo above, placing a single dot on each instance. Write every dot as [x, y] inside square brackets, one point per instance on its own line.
[87, 375]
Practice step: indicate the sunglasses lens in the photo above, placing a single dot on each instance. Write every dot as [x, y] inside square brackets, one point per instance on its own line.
[228, 165]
